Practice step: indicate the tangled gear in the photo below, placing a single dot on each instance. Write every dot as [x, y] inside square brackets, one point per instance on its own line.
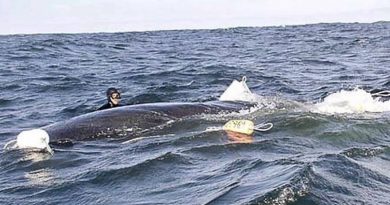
[246, 126]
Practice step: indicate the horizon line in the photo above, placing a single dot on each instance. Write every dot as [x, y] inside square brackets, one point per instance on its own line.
[188, 29]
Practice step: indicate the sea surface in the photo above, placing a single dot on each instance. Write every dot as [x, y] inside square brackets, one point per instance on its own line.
[338, 154]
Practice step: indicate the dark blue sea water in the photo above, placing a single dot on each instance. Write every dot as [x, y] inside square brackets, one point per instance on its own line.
[307, 158]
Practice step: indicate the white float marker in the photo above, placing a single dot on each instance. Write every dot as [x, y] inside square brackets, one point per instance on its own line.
[31, 139]
[246, 126]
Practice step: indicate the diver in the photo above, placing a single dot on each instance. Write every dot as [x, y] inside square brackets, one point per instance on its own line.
[113, 98]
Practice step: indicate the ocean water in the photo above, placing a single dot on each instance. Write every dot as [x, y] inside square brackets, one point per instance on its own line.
[329, 144]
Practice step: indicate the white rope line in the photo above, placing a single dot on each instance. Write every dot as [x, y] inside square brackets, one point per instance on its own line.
[8, 146]
[263, 127]
[384, 93]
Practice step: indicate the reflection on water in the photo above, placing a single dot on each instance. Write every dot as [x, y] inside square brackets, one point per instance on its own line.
[235, 137]
[41, 177]
[35, 155]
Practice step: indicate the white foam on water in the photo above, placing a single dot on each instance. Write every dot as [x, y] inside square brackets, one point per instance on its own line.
[239, 91]
[353, 101]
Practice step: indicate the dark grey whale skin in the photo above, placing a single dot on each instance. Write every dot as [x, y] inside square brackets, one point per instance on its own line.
[129, 121]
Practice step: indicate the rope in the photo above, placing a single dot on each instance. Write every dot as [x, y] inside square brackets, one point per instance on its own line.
[7, 145]
[384, 93]
[263, 127]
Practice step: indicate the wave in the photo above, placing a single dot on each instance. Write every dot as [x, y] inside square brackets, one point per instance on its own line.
[344, 178]
[364, 152]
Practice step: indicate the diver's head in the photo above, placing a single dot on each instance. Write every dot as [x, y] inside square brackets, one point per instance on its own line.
[113, 96]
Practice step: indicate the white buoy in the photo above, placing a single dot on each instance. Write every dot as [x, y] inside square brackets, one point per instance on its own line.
[240, 126]
[33, 139]
[238, 91]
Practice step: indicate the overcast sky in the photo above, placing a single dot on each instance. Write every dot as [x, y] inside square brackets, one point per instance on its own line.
[75, 16]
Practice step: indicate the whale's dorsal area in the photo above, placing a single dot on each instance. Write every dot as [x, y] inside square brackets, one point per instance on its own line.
[129, 121]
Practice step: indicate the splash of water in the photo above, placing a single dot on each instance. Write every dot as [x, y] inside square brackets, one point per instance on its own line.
[353, 101]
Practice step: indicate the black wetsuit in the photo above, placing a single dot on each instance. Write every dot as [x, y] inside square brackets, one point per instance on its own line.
[108, 105]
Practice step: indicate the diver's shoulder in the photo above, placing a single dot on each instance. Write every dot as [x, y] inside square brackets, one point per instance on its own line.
[105, 106]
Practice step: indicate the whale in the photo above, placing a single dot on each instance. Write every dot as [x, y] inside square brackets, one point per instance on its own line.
[122, 123]
[131, 121]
